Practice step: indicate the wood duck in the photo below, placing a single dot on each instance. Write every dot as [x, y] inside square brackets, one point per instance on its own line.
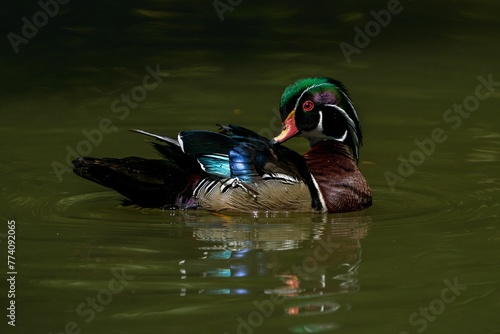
[239, 170]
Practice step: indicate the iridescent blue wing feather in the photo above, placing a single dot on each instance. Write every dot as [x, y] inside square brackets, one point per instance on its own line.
[242, 162]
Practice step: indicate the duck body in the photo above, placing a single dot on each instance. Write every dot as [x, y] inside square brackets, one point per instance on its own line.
[239, 170]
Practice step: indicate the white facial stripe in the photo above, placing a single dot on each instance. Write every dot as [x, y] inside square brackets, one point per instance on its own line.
[350, 103]
[320, 123]
[308, 89]
[352, 127]
[341, 138]
[342, 111]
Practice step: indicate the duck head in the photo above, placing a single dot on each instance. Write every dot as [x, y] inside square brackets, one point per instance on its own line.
[319, 109]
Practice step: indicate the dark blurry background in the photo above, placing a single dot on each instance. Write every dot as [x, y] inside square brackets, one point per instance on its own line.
[101, 42]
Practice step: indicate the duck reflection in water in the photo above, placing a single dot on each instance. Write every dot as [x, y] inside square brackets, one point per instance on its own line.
[315, 259]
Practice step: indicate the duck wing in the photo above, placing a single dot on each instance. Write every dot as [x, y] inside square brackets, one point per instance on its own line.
[239, 152]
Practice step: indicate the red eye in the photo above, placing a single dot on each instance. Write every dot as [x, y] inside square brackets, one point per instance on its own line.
[308, 105]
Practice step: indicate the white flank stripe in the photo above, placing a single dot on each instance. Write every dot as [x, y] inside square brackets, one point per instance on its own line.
[280, 177]
[198, 187]
[210, 187]
[206, 185]
[320, 195]
[225, 185]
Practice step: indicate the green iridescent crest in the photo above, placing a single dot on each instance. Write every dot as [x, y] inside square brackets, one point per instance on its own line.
[298, 87]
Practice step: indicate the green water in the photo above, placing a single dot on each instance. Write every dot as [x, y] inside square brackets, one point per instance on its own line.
[424, 258]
